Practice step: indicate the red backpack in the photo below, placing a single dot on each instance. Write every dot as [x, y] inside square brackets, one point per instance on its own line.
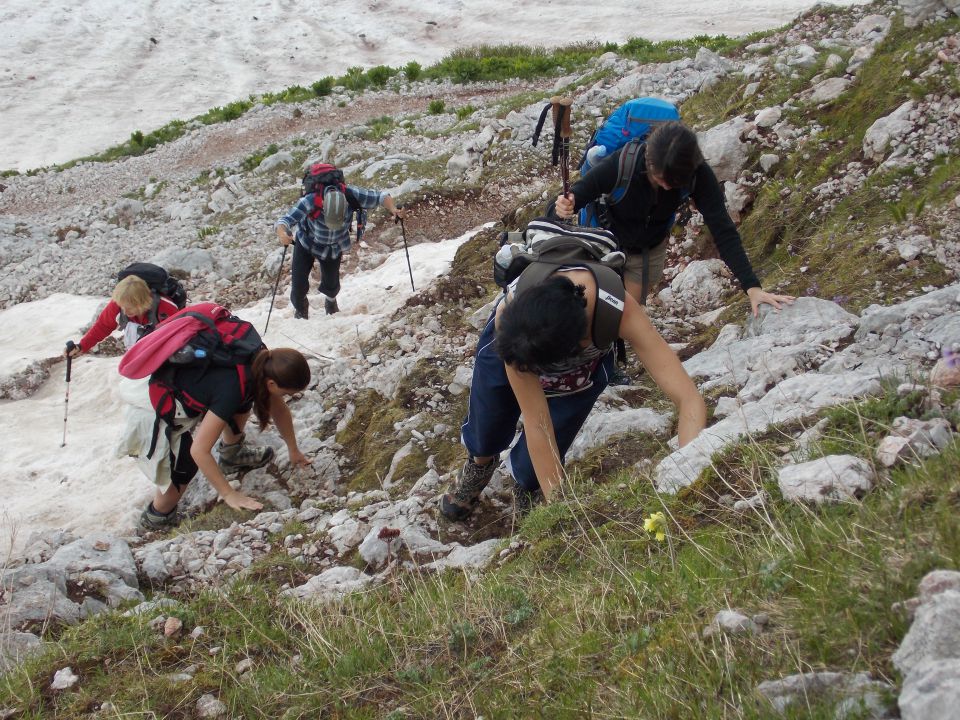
[318, 178]
[203, 335]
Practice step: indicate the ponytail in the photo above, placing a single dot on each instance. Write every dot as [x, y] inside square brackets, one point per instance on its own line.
[286, 367]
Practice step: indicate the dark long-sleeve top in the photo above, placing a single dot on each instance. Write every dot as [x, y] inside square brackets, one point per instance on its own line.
[643, 218]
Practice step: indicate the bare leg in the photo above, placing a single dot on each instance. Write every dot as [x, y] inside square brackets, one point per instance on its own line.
[164, 502]
[635, 290]
[229, 436]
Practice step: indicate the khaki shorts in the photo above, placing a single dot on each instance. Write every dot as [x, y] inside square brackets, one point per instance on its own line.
[656, 258]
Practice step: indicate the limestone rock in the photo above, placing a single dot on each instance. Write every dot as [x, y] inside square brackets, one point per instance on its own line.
[931, 691]
[64, 679]
[887, 130]
[830, 479]
[934, 634]
[724, 150]
[209, 707]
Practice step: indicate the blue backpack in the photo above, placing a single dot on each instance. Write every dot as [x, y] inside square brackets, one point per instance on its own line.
[628, 125]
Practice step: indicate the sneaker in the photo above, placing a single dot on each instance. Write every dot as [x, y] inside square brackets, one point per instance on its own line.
[330, 305]
[240, 456]
[152, 520]
[525, 500]
[459, 503]
[619, 377]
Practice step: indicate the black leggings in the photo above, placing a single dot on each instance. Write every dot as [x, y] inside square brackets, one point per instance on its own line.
[183, 468]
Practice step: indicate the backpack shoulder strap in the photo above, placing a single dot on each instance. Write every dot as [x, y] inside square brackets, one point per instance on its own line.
[625, 169]
[351, 200]
[608, 305]
[152, 313]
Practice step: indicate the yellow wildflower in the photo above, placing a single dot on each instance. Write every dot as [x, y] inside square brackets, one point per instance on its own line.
[656, 524]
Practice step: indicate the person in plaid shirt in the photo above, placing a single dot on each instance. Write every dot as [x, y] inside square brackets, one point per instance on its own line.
[324, 237]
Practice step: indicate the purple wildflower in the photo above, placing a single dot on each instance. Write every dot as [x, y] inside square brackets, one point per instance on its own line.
[951, 358]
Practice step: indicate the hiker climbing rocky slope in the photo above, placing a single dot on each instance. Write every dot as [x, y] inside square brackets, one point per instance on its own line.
[836, 142]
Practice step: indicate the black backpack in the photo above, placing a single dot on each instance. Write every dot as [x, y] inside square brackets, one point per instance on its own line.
[529, 257]
[160, 283]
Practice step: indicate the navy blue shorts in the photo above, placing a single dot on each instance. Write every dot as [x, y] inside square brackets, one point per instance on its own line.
[492, 415]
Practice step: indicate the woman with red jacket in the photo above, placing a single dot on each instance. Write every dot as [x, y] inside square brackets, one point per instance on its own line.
[130, 308]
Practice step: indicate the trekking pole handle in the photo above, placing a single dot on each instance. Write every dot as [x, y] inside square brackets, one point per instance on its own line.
[397, 218]
[71, 346]
[561, 108]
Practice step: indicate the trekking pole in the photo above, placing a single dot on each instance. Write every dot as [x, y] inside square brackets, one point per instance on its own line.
[403, 231]
[275, 286]
[71, 346]
[561, 138]
[560, 108]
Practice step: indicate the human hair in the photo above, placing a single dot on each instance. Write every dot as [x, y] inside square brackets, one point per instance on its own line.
[674, 154]
[133, 293]
[286, 367]
[542, 325]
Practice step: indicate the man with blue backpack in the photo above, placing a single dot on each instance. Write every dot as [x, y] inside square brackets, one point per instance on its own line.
[640, 168]
[322, 219]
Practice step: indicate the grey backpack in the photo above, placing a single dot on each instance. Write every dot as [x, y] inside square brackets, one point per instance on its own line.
[531, 256]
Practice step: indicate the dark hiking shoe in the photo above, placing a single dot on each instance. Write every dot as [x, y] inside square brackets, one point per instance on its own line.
[459, 503]
[525, 500]
[619, 377]
[240, 456]
[330, 305]
[301, 314]
[152, 520]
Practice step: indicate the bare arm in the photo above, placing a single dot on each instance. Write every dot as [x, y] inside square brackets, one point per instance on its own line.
[280, 414]
[541, 439]
[665, 369]
[202, 453]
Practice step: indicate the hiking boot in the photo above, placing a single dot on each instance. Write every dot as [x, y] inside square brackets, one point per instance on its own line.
[240, 456]
[459, 503]
[330, 305]
[301, 314]
[152, 520]
[525, 500]
[619, 377]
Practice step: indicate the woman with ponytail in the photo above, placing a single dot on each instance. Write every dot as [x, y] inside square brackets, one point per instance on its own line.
[536, 360]
[229, 395]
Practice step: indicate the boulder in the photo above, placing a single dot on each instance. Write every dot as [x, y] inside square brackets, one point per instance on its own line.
[931, 691]
[917, 12]
[272, 162]
[768, 117]
[829, 89]
[724, 150]
[834, 478]
[331, 585]
[934, 634]
[15, 647]
[600, 426]
[817, 686]
[911, 438]
[887, 130]
[698, 287]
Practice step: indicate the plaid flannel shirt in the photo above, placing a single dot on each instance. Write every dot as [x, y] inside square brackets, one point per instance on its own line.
[316, 237]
